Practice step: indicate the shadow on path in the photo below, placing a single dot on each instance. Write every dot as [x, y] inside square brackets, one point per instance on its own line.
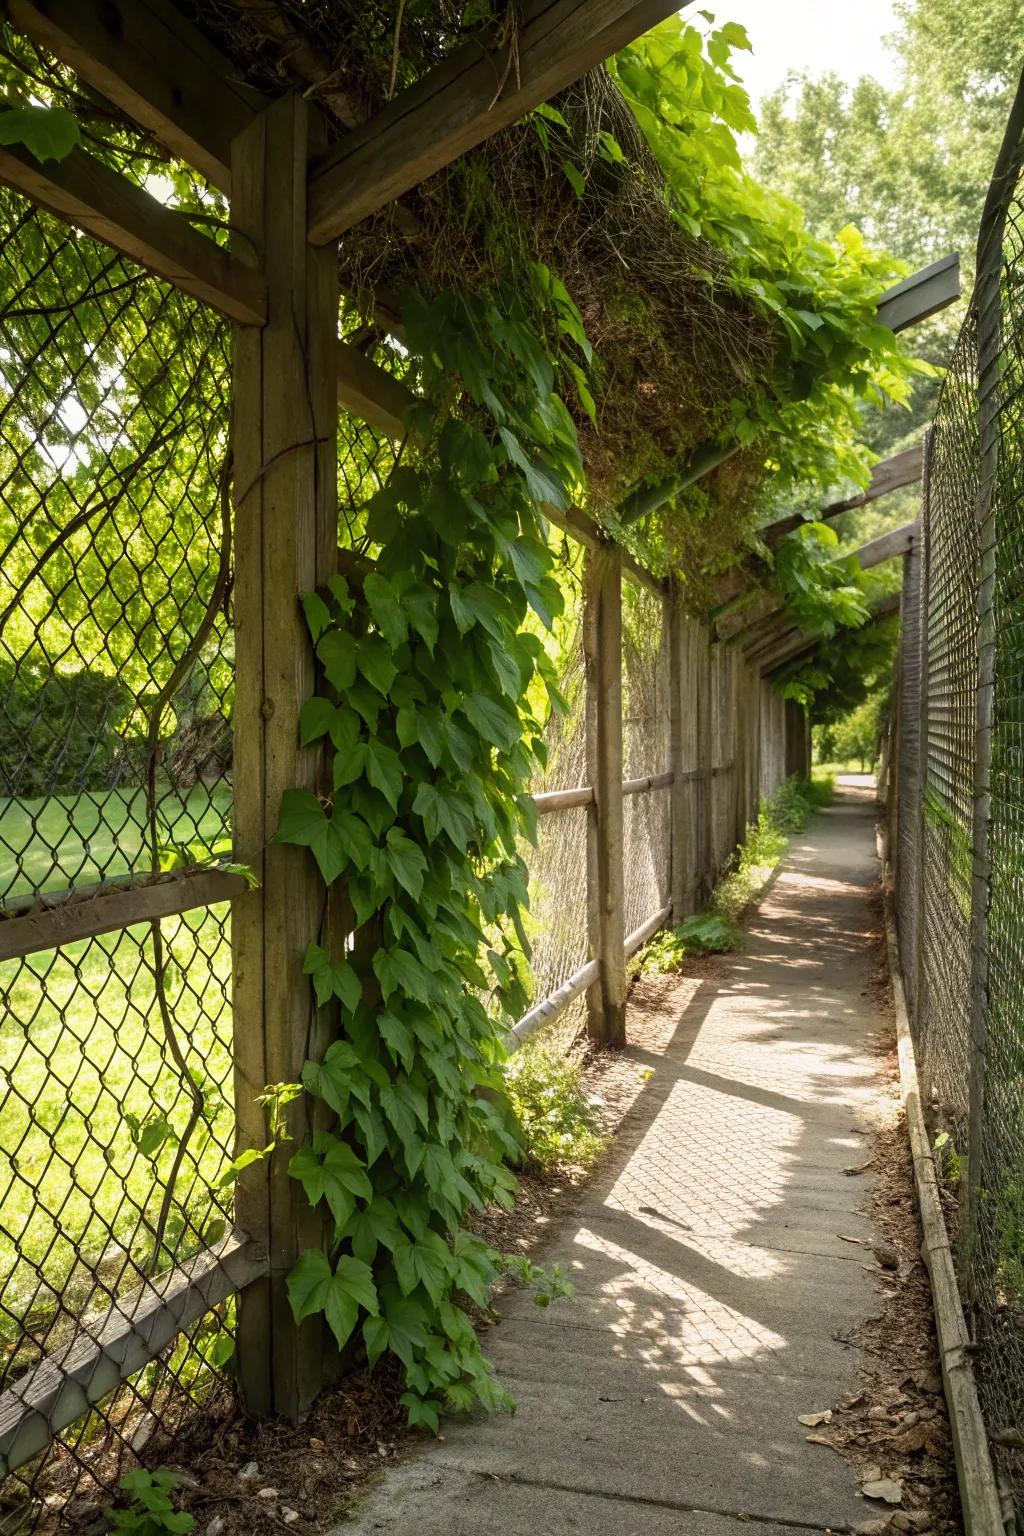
[712, 1287]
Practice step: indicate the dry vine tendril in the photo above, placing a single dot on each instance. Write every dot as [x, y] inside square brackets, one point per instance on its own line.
[426, 674]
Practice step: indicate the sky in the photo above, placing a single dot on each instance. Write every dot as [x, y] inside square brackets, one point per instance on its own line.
[843, 36]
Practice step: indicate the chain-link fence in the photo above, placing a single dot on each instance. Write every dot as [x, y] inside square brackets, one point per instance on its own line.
[116, 1121]
[119, 1260]
[959, 826]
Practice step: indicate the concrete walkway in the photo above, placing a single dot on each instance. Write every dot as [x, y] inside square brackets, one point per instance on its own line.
[710, 1279]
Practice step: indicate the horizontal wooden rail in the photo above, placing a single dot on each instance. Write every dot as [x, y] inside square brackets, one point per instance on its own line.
[550, 800]
[552, 1006]
[563, 799]
[110, 1347]
[51, 921]
[638, 938]
[578, 983]
[652, 781]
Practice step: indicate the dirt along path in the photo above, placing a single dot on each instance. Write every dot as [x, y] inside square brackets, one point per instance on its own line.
[715, 1257]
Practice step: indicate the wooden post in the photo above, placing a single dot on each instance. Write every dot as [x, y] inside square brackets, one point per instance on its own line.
[680, 701]
[602, 648]
[703, 804]
[284, 430]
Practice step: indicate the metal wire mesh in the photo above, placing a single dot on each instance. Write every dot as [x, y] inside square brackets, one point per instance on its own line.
[908, 767]
[948, 789]
[968, 514]
[116, 678]
[646, 751]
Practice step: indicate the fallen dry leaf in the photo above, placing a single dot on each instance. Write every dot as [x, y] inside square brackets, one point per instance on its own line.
[824, 1440]
[889, 1489]
[858, 1168]
[812, 1420]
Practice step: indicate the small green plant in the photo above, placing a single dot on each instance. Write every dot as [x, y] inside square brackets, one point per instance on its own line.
[949, 1164]
[1009, 1228]
[150, 1510]
[546, 1094]
[547, 1285]
[706, 933]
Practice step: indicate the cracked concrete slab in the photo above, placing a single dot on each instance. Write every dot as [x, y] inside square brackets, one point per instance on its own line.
[713, 1288]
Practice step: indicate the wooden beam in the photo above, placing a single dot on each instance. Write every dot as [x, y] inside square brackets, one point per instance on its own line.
[889, 475]
[481, 89]
[754, 619]
[108, 1348]
[898, 541]
[921, 295]
[96, 199]
[796, 642]
[147, 59]
[370, 392]
[52, 921]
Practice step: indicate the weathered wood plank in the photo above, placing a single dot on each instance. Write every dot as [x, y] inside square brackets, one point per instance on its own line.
[481, 89]
[89, 911]
[111, 1346]
[644, 785]
[284, 431]
[679, 818]
[793, 641]
[921, 295]
[148, 59]
[898, 541]
[368, 391]
[96, 199]
[602, 646]
[890, 475]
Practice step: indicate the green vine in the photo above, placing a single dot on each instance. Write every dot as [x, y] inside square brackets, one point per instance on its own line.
[426, 677]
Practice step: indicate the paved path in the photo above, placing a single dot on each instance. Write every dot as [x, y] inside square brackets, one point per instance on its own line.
[710, 1278]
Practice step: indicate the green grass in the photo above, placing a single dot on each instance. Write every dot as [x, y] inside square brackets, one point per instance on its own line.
[64, 840]
[85, 1067]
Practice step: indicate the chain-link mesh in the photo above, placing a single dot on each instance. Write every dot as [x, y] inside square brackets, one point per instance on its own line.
[908, 767]
[646, 751]
[952, 646]
[970, 934]
[116, 676]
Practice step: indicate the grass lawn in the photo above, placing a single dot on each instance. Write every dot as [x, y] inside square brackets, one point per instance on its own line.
[65, 840]
[82, 1048]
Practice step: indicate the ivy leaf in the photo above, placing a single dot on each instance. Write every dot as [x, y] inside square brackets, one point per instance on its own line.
[375, 1225]
[318, 615]
[339, 1294]
[398, 971]
[506, 670]
[337, 652]
[384, 771]
[336, 979]
[492, 720]
[374, 657]
[406, 862]
[376, 1336]
[386, 609]
[406, 1320]
[315, 720]
[573, 177]
[398, 1038]
[420, 604]
[305, 823]
[328, 1169]
[48, 133]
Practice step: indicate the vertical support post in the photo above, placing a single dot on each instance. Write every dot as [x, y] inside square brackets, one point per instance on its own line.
[284, 437]
[602, 649]
[679, 702]
[703, 803]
